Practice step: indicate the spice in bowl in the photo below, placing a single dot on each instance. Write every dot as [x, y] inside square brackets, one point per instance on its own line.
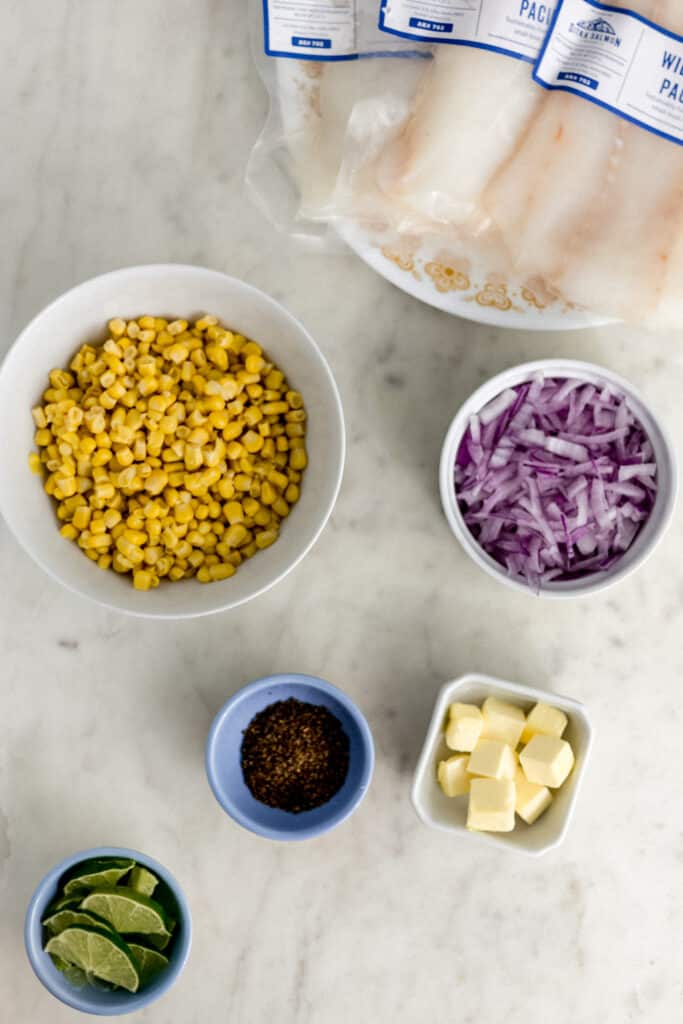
[171, 450]
[555, 478]
[295, 756]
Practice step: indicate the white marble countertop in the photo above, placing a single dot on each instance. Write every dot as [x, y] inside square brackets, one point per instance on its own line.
[125, 130]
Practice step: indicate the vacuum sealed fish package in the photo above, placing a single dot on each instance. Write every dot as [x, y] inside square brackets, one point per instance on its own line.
[490, 156]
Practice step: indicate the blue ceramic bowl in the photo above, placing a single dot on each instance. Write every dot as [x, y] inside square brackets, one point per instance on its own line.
[224, 769]
[88, 999]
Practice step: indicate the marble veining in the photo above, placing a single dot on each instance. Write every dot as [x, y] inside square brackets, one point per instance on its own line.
[125, 131]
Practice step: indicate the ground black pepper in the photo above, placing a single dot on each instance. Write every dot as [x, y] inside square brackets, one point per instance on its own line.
[295, 756]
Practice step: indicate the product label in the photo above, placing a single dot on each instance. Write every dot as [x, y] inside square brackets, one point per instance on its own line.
[619, 60]
[513, 27]
[310, 29]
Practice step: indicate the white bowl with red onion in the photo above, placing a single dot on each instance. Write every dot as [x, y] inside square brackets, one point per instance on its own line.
[556, 478]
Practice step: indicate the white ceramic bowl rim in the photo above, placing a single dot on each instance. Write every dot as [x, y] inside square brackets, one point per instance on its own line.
[189, 280]
[651, 532]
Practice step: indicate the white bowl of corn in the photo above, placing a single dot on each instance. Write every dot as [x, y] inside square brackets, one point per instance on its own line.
[186, 438]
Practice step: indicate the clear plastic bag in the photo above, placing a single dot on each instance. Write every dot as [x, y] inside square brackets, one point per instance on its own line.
[293, 171]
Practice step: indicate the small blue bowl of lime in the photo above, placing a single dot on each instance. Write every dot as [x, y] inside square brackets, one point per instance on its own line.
[224, 765]
[90, 890]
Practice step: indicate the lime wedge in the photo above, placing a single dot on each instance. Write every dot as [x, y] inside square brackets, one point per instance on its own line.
[159, 942]
[129, 911]
[101, 954]
[69, 917]
[74, 975]
[149, 961]
[143, 880]
[64, 903]
[94, 873]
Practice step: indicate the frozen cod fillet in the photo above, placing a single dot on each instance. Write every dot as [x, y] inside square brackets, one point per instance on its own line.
[594, 204]
[467, 117]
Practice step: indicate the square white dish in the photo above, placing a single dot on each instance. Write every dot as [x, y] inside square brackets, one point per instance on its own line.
[450, 813]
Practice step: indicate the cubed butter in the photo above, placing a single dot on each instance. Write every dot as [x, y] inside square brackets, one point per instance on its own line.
[544, 720]
[494, 759]
[546, 760]
[464, 727]
[502, 721]
[492, 805]
[530, 800]
[453, 776]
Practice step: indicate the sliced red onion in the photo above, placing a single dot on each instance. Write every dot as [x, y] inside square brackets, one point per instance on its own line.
[555, 478]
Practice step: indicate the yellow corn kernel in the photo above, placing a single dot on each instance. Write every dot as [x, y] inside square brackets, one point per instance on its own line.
[111, 517]
[196, 558]
[233, 512]
[156, 481]
[98, 526]
[274, 408]
[262, 517]
[82, 517]
[281, 507]
[193, 456]
[101, 457]
[129, 550]
[69, 531]
[222, 571]
[278, 479]
[87, 445]
[152, 554]
[177, 327]
[143, 579]
[292, 494]
[295, 400]
[117, 327]
[274, 379]
[120, 563]
[203, 575]
[268, 493]
[268, 450]
[235, 535]
[298, 459]
[104, 561]
[206, 321]
[265, 538]
[252, 441]
[176, 573]
[43, 437]
[226, 488]
[254, 363]
[251, 506]
[137, 537]
[233, 430]
[282, 444]
[35, 465]
[242, 482]
[183, 513]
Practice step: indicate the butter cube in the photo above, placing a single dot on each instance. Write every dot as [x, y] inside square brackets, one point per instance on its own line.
[492, 805]
[530, 800]
[464, 727]
[502, 721]
[453, 776]
[494, 759]
[545, 720]
[546, 760]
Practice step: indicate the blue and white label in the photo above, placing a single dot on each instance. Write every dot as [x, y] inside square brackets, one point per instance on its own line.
[310, 29]
[619, 60]
[514, 27]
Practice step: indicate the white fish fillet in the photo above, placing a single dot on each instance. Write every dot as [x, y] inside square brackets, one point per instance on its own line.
[593, 204]
[468, 115]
